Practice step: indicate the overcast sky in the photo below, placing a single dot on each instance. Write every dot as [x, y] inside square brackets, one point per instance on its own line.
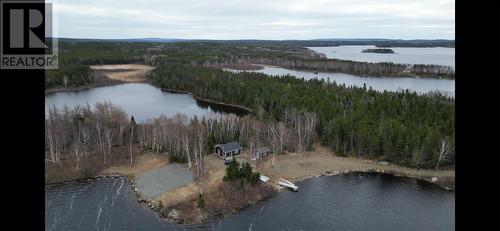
[258, 19]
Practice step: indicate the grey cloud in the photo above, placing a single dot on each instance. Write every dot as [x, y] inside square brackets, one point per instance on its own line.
[221, 19]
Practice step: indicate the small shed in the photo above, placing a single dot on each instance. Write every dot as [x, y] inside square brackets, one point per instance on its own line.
[228, 150]
[262, 152]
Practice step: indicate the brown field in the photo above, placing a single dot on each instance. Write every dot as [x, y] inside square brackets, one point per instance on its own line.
[293, 166]
[108, 75]
[132, 73]
[142, 163]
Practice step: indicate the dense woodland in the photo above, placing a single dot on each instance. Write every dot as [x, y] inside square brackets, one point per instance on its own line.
[75, 57]
[342, 66]
[70, 75]
[403, 128]
[289, 114]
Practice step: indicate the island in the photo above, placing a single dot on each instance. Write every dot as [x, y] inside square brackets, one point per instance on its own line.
[378, 50]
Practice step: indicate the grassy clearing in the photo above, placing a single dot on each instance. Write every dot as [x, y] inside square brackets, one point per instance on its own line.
[322, 160]
[143, 163]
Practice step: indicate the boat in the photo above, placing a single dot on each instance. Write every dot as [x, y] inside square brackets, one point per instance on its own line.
[288, 184]
[264, 179]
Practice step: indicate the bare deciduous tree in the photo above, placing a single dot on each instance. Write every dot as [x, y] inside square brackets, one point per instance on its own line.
[442, 151]
[281, 133]
[185, 145]
[132, 127]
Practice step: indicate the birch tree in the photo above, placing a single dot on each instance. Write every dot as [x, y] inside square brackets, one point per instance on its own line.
[442, 151]
[199, 154]
[76, 151]
[281, 133]
[185, 146]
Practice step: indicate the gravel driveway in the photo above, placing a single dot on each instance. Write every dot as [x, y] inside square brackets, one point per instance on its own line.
[155, 182]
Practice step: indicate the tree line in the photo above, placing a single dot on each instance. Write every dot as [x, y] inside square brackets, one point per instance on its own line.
[385, 69]
[70, 75]
[401, 127]
[75, 56]
[76, 133]
[95, 132]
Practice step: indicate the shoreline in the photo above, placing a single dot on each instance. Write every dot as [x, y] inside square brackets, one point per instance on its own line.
[325, 173]
[156, 206]
[376, 171]
[105, 81]
[163, 209]
[51, 91]
[205, 100]
[103, 77]
[241, 67]
[394, 76]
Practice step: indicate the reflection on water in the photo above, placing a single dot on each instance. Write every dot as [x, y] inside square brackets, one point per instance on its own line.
[359, 201]
[143, 101]
[106, 204]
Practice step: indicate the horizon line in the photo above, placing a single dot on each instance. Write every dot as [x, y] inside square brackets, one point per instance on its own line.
[257, 39]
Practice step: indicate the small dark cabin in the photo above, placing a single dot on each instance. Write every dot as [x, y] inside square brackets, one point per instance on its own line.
[261, 152]
[228, 150]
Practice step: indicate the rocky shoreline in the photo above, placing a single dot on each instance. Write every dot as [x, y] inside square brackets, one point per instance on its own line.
[432, 180]
[173, 214]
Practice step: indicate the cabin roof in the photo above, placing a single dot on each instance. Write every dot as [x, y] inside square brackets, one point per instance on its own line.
[229, 146]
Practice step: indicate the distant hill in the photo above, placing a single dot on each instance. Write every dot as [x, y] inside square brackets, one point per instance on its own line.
[301, 43]
[156, 40]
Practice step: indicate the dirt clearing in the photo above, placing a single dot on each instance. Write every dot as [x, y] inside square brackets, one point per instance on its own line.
[132, 73]
[294, 166]
[142, 163]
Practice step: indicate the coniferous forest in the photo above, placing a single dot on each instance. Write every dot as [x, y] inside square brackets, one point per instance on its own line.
[403, 128]
[76, 56]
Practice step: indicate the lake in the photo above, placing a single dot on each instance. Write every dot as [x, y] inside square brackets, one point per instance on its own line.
[404, 55]
[141, 100]
[357, 201]
[419, 85]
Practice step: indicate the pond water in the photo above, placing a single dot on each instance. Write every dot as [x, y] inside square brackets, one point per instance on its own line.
[141, 100]
[405, 55]
[419, 85]
[358, 201]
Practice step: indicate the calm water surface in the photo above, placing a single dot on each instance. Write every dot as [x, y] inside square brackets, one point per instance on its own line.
[419, 85]
[143, 101]
[405, 55]
[345, 202]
